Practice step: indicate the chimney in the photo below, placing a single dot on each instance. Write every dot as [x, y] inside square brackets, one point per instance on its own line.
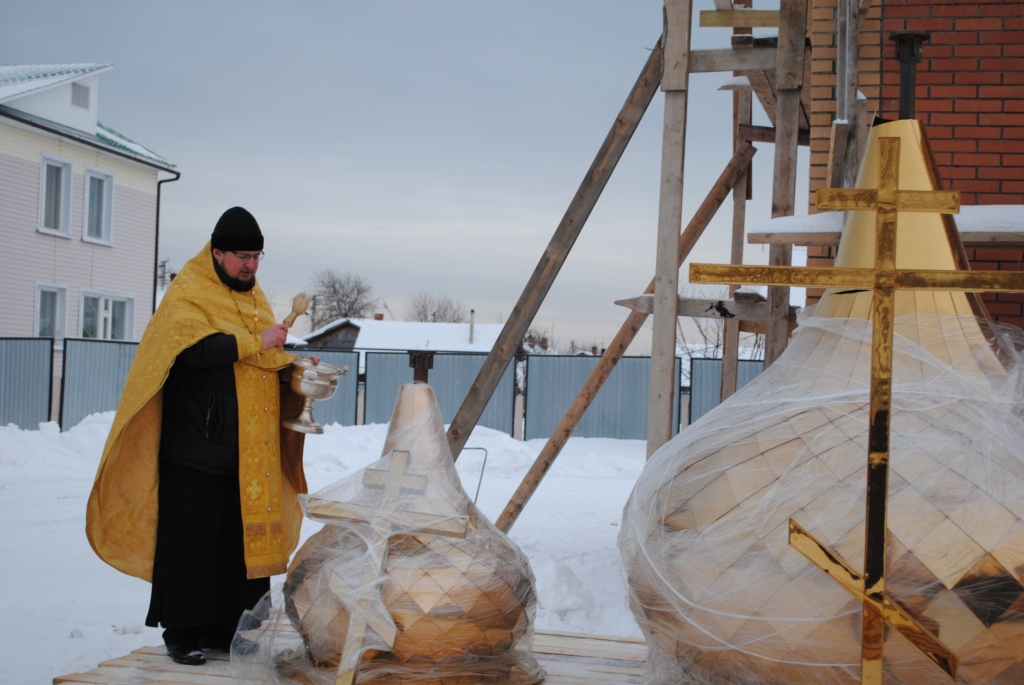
[472, 316]
[378, 316]
[908, 52]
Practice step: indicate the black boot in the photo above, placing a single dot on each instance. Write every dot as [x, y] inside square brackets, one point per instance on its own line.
[183, 646]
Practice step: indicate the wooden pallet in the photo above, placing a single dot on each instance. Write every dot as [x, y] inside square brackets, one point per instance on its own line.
[568, 659]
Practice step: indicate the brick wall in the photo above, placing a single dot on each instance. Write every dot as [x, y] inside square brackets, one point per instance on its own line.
[969, 97]
[1006, 308]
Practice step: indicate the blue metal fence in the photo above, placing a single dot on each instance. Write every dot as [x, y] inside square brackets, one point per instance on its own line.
[451, 377]
[26, 381]
[706, 382]
[618, 411]
[94, 376]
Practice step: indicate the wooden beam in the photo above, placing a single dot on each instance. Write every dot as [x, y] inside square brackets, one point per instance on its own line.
[766, 134]
[556, 252]
[789, 74]
[739, 19]
[662, 388]
[729, 59]
[808, 238]
[839, 140]
[763, 85]
[703, 308]
[615, 351]
[742, 113]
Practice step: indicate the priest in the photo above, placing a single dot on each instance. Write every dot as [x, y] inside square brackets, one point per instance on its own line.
[197, 489]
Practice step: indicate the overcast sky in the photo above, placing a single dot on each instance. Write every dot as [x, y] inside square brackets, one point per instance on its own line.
[426, 146]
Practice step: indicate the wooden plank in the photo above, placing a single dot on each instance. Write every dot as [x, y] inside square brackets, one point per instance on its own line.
[810, 238]
[766, 134]
[763, 85]
[567, 658]
[554, 256]
[839, 139]
[789, 69]
[740, 19]
[662, 386]
[704, 308]
[729, 59]
[676, 74]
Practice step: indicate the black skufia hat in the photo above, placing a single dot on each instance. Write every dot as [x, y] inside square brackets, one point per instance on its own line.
[237, 230]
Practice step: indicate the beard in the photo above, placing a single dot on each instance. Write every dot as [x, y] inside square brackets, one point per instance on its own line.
[237, 284]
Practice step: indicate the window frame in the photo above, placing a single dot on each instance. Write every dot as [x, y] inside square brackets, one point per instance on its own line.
[106, 236]
[63, 228]
[60, 311]
[106, 315]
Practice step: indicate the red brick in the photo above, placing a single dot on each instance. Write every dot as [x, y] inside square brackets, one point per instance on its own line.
[1013, 78]
[977, 78]
[997, 254]
[1009, 9]
[1012, 187]
[953, 92]
[978, 106]
[1009, 297]
[978, 186]
[983, 265]
[938, 26]
[975, 159]
[983, 24]
[905, 12]
[939, 78]
[999, 37]
[1010, 134]
[953, 11]
[1013, 106]
[954, 145]
[1001, 92]
[1013, 50]
[939, 132]
[942, 159]
[934, 105]
[999, 119]
[1011, 266]
[978, 50]
[1011, 321]
[1003, 308]
[1003, 173]
[945, 119]
[978, 132]
[954, 65]
[1003, 147]
[956, 38]
[959, 172]
[1002, 64]
[1003, 198]
[938, 52]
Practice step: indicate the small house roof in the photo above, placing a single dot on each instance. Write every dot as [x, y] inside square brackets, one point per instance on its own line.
[23, 79]
[416, 335]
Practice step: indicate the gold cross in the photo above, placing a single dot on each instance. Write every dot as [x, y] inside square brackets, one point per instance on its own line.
[884, 279]
[367, 610]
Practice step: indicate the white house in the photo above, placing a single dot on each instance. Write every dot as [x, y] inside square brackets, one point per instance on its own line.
[79, 210]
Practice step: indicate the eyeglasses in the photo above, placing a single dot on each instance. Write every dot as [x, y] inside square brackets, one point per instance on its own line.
[247, 256]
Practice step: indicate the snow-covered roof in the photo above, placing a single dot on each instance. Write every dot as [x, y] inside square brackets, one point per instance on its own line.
[418, 335]
[22, 79]
[975, 219]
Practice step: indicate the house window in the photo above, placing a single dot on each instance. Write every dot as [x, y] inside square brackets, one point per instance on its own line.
[107, 317]
[99, 190]
[80, 95]
[51, 311]
[55, 196]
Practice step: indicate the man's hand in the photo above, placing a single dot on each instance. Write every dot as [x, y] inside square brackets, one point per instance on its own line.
[275, 336]
[313, 358]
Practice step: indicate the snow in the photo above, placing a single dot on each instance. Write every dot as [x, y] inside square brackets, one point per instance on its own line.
[419, 335]
[67, 611]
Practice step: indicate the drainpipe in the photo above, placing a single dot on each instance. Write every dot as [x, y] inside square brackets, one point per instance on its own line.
[156, 245]
[908, 52]
[472, 316]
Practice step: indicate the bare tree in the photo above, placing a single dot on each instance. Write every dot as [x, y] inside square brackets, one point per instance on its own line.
[436, 308]
[340, 296]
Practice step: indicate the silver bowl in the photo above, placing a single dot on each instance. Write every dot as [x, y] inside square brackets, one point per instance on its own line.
[312, 382]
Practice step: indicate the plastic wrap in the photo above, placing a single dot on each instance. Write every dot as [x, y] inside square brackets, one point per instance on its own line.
[721, 595]
[406, 582]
